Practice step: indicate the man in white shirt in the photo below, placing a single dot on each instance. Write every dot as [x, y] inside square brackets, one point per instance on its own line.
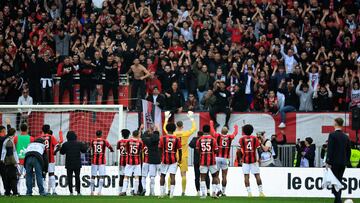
[289, 58]
[25, 98]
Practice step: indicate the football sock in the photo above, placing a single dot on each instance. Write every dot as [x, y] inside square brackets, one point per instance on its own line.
[203, 188]
[248, 189]
[52, 183]
[172, 188]
[136, 185]
[101, 183]
[223, 189]
[214, 188]
[152, 185]
[120, 189]
[92, 185]
[183, 183]
[260, 188]
[169, 183]
[125, 185]
[162, 190]
[143, 183]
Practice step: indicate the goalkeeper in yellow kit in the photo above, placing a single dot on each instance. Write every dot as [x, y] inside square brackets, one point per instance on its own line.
[184, 137]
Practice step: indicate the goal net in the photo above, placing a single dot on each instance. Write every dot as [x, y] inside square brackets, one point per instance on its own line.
[85, 120]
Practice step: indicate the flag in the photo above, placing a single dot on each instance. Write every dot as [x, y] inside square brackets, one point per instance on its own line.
[151, 115]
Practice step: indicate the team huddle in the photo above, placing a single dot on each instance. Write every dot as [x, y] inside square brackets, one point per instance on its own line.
[147, 154]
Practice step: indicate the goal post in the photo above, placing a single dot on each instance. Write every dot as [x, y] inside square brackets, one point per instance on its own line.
[85, 120]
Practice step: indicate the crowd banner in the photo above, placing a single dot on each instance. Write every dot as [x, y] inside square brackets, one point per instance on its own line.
[277, 182]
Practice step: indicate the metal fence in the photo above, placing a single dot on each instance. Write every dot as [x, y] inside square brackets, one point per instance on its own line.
[286, 154]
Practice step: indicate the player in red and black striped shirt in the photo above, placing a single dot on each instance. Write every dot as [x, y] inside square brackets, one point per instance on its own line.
[224, 141]
[98, 149]
[134, 148]
[207, 147]
[249, 145]
[169, 145]
[50, 145]
[121, 146]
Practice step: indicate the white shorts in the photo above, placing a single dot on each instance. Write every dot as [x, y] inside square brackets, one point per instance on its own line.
[51, 168]
[222, 163]
[131, 170]
[96, 168]
[253, 168]
[204, 169]
[121, 170]
[168, 168]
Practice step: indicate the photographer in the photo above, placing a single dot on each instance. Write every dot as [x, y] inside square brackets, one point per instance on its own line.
[275, 142]
[265, 151]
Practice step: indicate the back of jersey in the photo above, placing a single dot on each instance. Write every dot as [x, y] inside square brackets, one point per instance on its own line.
[121, 146]
[207, 147]
[248, 146]
[134, 149]
[98, 147]
[169, 144]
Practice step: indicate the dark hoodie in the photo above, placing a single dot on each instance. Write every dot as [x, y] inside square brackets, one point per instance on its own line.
[72, 149]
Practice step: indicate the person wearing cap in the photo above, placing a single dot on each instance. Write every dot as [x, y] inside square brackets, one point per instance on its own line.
[66, 71]
[266, 150]
[86, 80]
[36, 159]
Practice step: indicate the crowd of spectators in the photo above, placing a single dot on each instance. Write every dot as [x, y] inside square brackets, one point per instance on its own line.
[275, 56]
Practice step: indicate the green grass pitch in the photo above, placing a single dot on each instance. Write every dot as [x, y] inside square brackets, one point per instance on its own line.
[113, 199]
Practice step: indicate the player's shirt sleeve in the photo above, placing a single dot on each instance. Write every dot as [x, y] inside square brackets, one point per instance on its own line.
[161, 143]
[109, 146]
[53, 140]
[216, 148]
[15, 140]
[236, 131]
[118, 145]
[178, 143]
[164, 127]
[192, 130]
[32, 139]
[257, 143]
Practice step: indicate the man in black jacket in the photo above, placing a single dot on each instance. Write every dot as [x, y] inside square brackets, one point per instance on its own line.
[291, 100]
[111, 81]
[196, 164]
[35, 158]
[151, 140]
[157, 98]
[73, 149]
[338, 154]
[222, 103]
